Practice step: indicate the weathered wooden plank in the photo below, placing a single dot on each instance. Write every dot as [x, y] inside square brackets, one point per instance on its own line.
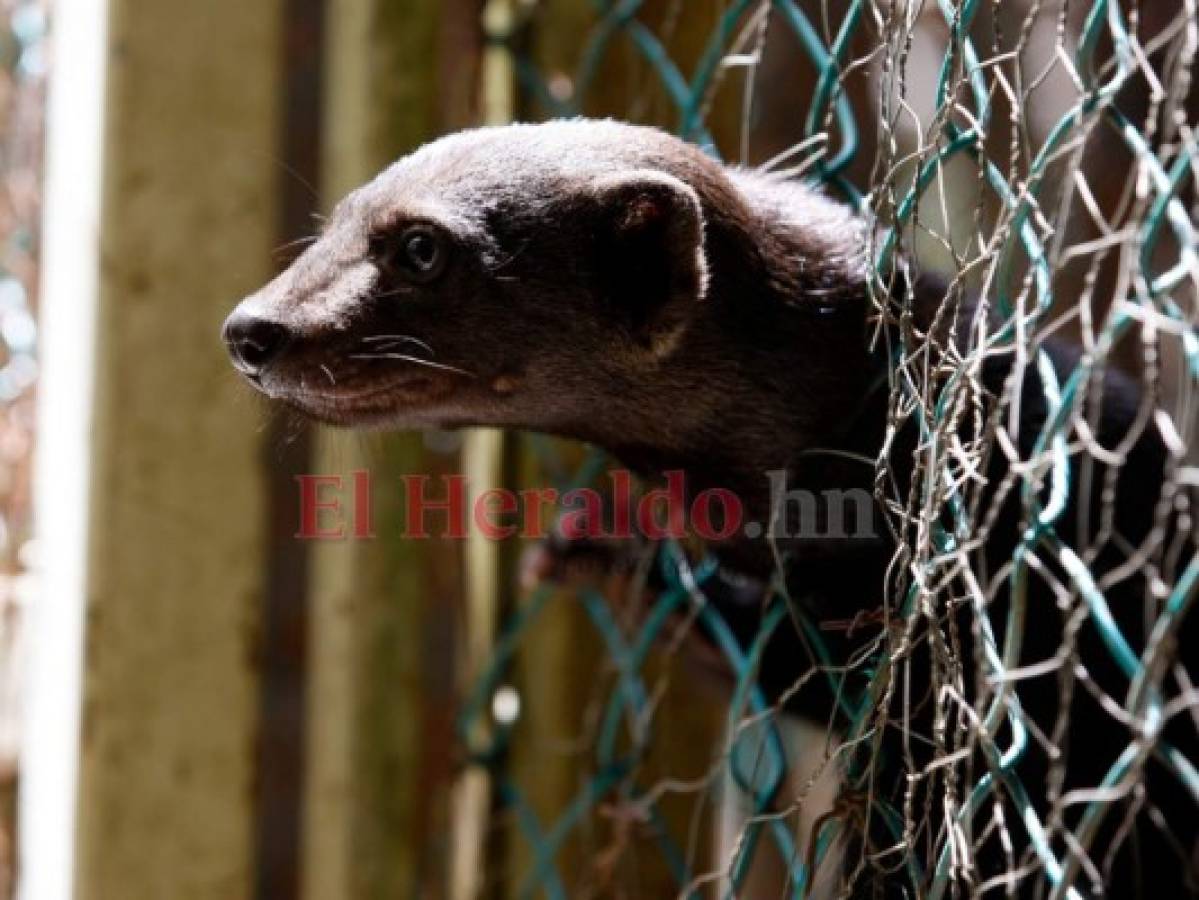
[175, 574]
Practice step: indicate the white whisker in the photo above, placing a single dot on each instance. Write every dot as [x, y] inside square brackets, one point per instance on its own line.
[396, 339]
[413, 359]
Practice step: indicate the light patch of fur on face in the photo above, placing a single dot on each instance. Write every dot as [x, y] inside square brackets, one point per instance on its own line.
[329, 303]
[505, 384]
[666, 343]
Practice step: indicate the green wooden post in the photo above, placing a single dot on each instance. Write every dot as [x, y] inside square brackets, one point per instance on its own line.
[385, 612]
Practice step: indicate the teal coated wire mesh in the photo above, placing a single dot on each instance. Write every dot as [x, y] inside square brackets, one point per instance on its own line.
[997, 153]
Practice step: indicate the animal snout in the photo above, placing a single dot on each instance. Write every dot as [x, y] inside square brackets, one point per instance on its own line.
[254, 342]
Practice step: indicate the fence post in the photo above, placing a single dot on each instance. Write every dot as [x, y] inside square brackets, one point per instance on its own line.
[176, 541]
[384, 612]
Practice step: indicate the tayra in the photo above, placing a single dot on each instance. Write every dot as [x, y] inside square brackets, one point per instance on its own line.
[613, 284]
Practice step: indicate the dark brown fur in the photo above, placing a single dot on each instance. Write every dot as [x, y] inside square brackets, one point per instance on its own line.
[610, 283]
[595, 328]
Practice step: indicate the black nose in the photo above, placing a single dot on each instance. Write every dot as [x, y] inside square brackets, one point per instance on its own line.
[254, 343]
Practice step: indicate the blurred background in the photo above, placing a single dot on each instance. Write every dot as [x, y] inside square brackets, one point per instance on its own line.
[193, 703]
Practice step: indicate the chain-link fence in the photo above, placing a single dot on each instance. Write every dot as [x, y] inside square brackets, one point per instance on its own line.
[1040, 157]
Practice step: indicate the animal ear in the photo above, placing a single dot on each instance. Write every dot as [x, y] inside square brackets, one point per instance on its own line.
[651, 250]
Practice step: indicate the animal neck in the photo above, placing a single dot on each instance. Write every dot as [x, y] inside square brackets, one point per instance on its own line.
[772, 376]
[748, 393]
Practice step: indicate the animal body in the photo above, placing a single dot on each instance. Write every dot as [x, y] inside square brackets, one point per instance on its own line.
[610, 283]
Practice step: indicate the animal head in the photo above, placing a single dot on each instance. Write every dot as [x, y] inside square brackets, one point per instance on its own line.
[478, 273]
[548, 276]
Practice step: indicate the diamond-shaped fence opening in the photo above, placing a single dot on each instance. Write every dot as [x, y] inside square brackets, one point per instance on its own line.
[1042, 156]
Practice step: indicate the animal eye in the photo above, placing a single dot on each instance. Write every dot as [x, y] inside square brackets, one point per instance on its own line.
[418, 253]
[422, 250]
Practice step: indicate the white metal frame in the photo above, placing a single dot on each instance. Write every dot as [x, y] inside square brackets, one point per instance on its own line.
[70, 282]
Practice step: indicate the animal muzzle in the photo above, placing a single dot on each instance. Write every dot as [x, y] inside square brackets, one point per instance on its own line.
[254, 343]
